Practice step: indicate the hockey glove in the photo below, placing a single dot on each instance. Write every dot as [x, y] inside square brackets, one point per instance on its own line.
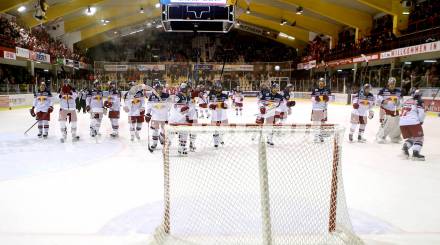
[291, 104]
[224, 105]
[212, 106]
[32, 111]
[325, 98]
[189, 120]
[259, 120]
[356, 106]
[50, 110]
[88, 108]
[317, 99]
[142, 112]
[108, 104]
[148, 118]
[184, 109]
[263, 110]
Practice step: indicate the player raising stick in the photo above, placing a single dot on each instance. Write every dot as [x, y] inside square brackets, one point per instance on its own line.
[389, 99]
[411, 121]
[113, 104]
[42, 108]
[68, 95]
[134, 105]
[218, 106]
[363, 103]
[157, 112]
[320, 98]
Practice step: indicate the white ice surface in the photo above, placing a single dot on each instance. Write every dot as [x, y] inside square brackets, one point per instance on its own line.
[110, 191]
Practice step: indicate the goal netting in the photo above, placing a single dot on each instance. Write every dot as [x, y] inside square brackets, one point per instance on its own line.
[248, 192]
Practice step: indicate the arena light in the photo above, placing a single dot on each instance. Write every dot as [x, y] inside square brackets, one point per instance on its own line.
[248, 10]
[21, 9]
[90, 11]
[277, 68]
[281, 34]
[141, 10]
[430, 61]
[299, 10]
[157, 5]
[405, 13]
[339, 70]
[408, 62]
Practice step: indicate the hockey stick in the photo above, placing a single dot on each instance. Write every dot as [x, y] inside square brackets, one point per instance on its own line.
[148, 138]
[25, 133]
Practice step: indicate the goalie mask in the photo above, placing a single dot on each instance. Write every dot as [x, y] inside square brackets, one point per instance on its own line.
[183, 88]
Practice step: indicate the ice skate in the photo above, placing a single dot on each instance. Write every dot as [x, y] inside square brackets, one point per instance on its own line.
[75, 138]
[114, 135]
[137, 135]
[405, 151]
[192, 147]
[361, 139]
[350, 138]
[417, 157]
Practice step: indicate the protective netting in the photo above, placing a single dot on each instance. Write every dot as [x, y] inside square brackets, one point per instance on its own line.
[248, 192]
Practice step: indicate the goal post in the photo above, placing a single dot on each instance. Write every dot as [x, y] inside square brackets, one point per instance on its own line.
[248, 192]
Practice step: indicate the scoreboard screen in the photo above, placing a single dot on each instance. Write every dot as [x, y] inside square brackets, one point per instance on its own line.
[194, 2]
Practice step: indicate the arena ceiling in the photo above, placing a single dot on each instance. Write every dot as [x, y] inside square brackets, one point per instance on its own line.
[114, 17]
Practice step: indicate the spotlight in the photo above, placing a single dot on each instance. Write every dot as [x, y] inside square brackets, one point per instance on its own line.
[283, 22]
[157, 5]
[141, 10]
[299, 10]
[248, 10]
[90, 11]
[21, 9]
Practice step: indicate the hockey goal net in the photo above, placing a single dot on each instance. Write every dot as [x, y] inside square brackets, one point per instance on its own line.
[248, 192]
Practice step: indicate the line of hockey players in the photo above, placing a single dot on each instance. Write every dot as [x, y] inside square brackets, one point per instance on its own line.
[157, 108]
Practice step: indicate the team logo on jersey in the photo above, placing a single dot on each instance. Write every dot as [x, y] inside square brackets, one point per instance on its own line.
[97, 97]
[135, 101]
[67, 97]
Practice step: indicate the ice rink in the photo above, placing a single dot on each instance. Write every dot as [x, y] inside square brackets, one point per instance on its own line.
[110, 191]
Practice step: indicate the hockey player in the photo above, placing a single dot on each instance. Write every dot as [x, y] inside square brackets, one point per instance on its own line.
[113, 105]
[268, 102]
[237, 99]
[68, 95]
[285, 108]
[320, 98]
[218, 106]
[95, 106]
[42, 108]
[134, 105]
[202, 101]
[389, 99]
[363, 103]
[179, 114]
[157, 112]
[411, 121]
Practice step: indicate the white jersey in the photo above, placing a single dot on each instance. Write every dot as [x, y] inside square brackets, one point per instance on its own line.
[287, 97]
[412, 113]
[365, 102]
[158, 106]
[67, 101]
[42, 101]
[114, 97]
[238, 97]
[95, 99]
[135, 104]
[321, 93]
[202, 98]
[218, 100]
[176, 114]
[388, 99]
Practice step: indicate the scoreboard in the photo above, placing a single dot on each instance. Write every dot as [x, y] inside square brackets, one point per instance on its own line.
[198, 15]
[198, 2]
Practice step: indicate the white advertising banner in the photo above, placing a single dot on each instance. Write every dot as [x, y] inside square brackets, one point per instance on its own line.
[22, 52]
[151, 67]
[202, 2]
[116, 67]
[234, 67]
[41, 57]
[9, 55]
[411, 50]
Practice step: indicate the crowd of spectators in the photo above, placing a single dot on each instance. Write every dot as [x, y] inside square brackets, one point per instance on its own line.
[423, 15]
[38, 39]
[162, 47]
